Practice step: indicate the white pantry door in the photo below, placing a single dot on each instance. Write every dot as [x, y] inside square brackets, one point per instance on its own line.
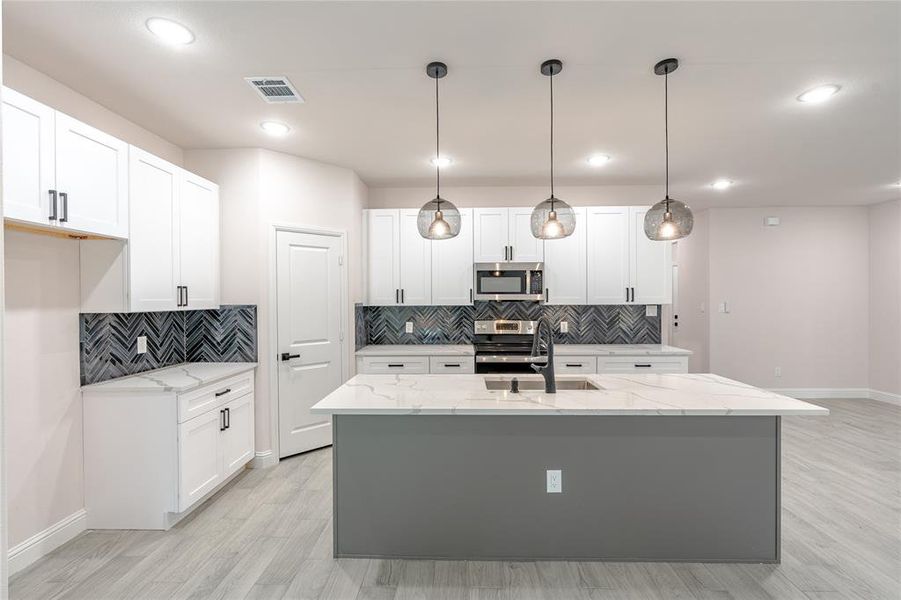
[308, 288]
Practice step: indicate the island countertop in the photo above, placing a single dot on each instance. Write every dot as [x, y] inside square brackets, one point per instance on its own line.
[686, 394]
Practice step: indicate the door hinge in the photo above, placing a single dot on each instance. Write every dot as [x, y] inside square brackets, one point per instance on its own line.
[340, 260]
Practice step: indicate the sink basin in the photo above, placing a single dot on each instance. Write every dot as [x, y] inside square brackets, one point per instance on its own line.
[538, 384]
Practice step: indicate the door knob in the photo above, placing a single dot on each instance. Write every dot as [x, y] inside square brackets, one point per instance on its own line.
[287, 356]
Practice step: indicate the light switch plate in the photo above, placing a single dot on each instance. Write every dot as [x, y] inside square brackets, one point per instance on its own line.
[564, 326]
[142, 344]
[409, 327]
[650, 310]
[724, 307]
[554, 481]
[772, 221]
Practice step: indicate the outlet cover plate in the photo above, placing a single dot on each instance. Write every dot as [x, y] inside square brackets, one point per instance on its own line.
[409, 327]
[554, 481]
[142, 344]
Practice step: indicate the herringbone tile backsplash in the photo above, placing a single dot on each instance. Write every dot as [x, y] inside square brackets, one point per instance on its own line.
[109, 340]
[608, 324]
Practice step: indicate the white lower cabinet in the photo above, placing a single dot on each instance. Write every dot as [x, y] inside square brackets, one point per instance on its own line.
[452, 364]
[643, 364]
[445, 364]
[567, 365]
[150, 456]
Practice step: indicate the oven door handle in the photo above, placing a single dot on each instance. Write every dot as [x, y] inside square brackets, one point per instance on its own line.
[508, 358]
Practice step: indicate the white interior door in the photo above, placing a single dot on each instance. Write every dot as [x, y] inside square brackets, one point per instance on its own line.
[28, 159]
[383, 257]
[198, 234]
[525, 247]
[490, 228]
[308, 288]
[452, 265]
[152, 243]
[415, 262]
[608, 254]
[565, 273]
[92, 172]
[650, 263]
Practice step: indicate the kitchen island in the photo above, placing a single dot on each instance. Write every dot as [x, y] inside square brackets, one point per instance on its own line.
[669, 467]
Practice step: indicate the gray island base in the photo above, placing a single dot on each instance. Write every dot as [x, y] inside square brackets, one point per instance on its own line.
[417, 478]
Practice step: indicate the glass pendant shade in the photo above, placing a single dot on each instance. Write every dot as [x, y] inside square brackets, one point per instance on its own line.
[438, 220]
[668, 220]
[553, 219]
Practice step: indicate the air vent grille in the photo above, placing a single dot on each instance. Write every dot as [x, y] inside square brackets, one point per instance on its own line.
[274, 89]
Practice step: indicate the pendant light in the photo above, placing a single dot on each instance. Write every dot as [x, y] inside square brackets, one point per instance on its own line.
[668, 219]
[438, 219]
[553, 218]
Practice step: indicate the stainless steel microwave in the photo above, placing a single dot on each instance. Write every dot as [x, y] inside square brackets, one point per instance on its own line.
[509, 281]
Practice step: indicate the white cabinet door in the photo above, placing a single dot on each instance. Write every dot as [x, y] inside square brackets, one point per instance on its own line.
[490, 228]
[415, 262]
[198, 235]
[28, 159]
[383, 247]
[237, 439]
[199, 457]
[152, 243]
[650, 263]
[565, 271]
[608, 254]
[524, 246]
[92, 179]
[452, 265]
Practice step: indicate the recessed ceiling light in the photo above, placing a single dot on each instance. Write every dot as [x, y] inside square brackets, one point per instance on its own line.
[721, 184]
[441, 161]
[275, 128]
[170, 32]
[597, 160]
[819, 94]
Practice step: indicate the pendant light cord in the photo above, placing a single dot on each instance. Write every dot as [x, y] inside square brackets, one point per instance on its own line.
[437, 148]
[666, 130]
[552, 138]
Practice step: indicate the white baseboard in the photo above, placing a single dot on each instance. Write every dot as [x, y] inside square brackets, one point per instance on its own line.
[44, 542]
[264, 460]
[826, 393]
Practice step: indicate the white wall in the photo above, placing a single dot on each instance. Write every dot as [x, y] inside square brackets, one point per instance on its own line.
[41, 382]
[885, 297]
[31, 82]
[260, 188]
[798, 296]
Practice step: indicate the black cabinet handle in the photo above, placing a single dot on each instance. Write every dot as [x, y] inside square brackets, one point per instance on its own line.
[222, 420]
[547, 294]
[402, 296]
[64, 200]
[53, 215]
[454, 365]
[289, 356]
[223, 392]
[395, 365]
[470, 294]
[643, 366]
[397, 296]
[228, 418]
[511, 252]
[574, 365]
[186, 296]
[633, 294]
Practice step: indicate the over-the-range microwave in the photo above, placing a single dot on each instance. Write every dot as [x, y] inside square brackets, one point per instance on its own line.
[509, 281]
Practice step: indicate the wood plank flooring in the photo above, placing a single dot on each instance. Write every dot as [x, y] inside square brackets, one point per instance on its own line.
[269, 536]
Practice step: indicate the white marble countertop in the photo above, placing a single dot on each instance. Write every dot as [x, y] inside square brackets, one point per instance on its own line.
[641, 394]
[561, 349]
[178, 379]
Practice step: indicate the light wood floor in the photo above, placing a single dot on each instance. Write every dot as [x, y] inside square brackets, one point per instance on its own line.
[269, 536]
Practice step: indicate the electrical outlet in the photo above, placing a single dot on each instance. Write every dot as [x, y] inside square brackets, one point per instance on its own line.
[778, 371]
[650, 310]
[554, 481]
[564, 326]
[142, 344]
[409, 327]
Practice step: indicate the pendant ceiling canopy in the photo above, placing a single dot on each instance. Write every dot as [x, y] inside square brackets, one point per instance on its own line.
[668, 219]
[438, 219]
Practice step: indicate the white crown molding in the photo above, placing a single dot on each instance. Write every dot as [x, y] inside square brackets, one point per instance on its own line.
[44, 542]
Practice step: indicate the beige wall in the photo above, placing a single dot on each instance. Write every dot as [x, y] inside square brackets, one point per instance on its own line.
[797, 296]
[41, 382]
[488, 196]
[23, 78]
[885, 297]
[260, 188]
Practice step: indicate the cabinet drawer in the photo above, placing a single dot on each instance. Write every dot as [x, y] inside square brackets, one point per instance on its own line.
[451, 364]
[638, 364]
[576, 364]
[395, 364]
[204, 399]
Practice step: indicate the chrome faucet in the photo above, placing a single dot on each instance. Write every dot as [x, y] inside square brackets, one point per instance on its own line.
[544, 365]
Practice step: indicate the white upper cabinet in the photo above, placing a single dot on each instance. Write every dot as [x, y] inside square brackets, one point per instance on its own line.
[153, 242]
[565, 271]
[29, 174]
[608, 254]
[505, 235]
[198, 234]
[452, 265]
[415, 262]
[650, 264]
[383, 257]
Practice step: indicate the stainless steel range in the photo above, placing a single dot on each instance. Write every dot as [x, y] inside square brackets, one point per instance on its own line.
[503, 346]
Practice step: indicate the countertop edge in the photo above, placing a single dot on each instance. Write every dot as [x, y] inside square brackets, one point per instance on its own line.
[100, 388]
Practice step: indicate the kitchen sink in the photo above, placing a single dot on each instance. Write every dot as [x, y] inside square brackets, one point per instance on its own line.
[538, 384]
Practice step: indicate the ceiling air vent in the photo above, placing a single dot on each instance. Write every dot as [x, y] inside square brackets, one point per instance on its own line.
[274, 89]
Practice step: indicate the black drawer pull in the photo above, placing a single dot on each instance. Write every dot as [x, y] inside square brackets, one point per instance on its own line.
[574, 365]
[455, 365]
[223, 392]
[395, 365]
[644, 366]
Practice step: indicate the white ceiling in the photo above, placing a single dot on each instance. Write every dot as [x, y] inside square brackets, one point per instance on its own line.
[369, 105]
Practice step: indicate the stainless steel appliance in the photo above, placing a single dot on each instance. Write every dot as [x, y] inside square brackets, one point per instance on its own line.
[509, 281]
[503, 346]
